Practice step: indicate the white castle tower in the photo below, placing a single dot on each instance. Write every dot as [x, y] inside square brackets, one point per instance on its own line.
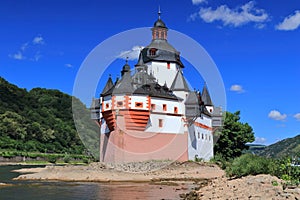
[151, 113]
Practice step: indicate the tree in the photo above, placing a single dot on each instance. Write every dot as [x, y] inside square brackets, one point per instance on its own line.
[11, 125]
[233, 137]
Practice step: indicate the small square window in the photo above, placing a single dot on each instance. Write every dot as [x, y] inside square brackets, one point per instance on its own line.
[175, 110]
[138, 104]
[119, 103]
[153, 106]
[164, 107]
[160, 123]
[168, 65]
[107, 105]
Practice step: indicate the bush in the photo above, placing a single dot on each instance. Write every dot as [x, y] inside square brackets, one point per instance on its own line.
[52, 158]
[220, 161]
[67, 158]
[86, 160]
[248, 164]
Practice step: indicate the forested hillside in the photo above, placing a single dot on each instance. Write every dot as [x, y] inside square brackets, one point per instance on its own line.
[289, 147]
[37, 121]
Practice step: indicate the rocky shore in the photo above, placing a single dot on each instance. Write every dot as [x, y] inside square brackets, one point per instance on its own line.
[251, 187]
[129, 172]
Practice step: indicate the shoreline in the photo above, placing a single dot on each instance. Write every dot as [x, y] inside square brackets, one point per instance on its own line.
[97, 172]
[208, 180]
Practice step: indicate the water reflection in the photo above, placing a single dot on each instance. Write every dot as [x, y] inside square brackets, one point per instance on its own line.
[36, 190]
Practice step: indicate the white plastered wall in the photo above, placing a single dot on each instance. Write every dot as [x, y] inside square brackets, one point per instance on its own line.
[200, 140]
[161, 72]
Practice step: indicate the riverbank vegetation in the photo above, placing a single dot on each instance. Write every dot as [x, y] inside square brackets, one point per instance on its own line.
[40, 121]
[249, 164]
[44, 158]
[232, 154]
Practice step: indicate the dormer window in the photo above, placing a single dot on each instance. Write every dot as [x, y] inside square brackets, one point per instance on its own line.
[152, 52]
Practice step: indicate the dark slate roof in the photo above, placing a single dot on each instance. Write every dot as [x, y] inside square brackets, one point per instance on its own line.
[124, 86]
[140, 61]
[95, 104]
[192, 107]
[162, 45]
[206, 97]
[108, 86]
[156, 90]
[164, 52]
[141, 77]
[179, 83]
[192, 99]
[126, 68]
[205, 111]
[159, 23]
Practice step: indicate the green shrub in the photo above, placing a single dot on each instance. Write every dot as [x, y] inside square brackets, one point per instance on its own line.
[220, 161]
[86, 160]
[275, 183]
[67, 158]
[52, 158]
[248, 164]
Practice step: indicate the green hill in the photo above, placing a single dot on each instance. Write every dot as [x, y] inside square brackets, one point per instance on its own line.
[39, 120]
[283, 148]
[255, 148]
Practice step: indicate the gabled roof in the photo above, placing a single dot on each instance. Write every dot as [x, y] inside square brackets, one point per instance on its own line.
[179, 83]
[108, 86]
[192, 99]
[206, 97]
[124, 86]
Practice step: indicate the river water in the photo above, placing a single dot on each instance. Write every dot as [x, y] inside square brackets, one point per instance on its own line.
[35, 190]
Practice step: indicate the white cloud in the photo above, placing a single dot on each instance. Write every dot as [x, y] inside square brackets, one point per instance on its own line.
[132, 54]
[260, 140]
[18, 56]
[237, 88]
[36, 56]
[32, 50]
[69, 65]
[38, 40]
[297, 116]
[196, 2]
[276, 115]
[24, 46]
[233, 17]
[290, 23]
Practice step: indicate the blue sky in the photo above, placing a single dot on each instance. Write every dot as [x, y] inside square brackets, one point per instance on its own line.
[255, 45]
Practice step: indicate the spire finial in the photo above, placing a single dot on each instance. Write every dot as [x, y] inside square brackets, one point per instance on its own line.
[159, 12]
[127, 59]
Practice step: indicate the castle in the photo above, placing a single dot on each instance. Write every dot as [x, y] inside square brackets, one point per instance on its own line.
[151, 113]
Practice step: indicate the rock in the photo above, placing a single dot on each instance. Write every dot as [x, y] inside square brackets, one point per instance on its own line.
[250, 187]
[5, 184]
